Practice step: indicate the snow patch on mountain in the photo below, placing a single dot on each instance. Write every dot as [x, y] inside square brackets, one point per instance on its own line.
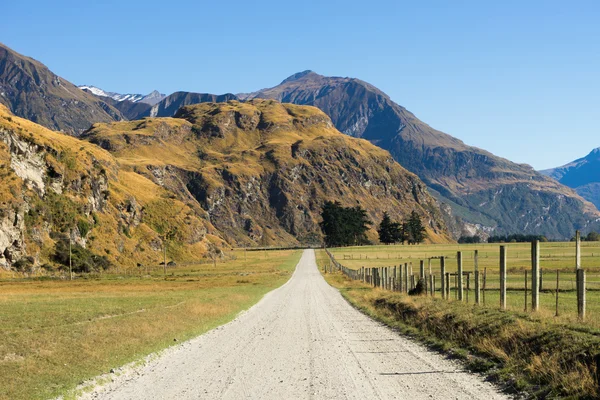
[151, 98]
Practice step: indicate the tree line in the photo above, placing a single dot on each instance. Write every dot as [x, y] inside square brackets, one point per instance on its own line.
[348, 226]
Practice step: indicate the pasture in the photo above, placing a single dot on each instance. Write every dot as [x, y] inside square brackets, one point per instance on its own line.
[56, 333]
[554, 256]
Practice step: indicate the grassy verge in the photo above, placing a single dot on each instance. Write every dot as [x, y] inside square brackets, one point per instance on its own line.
[56, 334]
[554, 256]
[527, 352]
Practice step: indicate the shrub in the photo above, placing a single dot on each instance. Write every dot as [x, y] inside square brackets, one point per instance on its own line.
[82, 259]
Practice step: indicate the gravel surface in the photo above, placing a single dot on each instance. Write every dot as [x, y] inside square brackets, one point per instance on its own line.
[301, 341]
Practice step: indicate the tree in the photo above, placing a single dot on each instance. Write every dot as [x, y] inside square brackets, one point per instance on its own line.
[385, 229]
[390, 232]
[416, 231]
[593, 237]
[344, 226]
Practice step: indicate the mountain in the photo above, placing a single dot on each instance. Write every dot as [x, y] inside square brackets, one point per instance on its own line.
[489, 192]
[218, 174]
[168, 106]
[129, 109]
[30, 90]
[151, 98]
[583, 175]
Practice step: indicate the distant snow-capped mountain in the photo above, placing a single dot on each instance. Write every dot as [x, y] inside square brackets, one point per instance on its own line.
[151, 98]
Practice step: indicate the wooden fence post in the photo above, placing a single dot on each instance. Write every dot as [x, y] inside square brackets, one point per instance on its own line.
[422, 269]
[460, 275]
[406, 278]
[581, 293]
[484, 283]
[525, 309]
[431, 283]
[535, 275]
[477, 288]
[468, 285]
[577, 250]
[502, 278]
[400, 285]
[443, 276]
[447, 277]
[557, 283]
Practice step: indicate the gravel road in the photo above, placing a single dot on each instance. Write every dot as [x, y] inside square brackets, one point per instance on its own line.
[301, 341]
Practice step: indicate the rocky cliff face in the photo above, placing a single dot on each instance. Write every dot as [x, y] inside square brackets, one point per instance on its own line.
[489, 192]
[53, 185]
[261, 170]
[32, 91]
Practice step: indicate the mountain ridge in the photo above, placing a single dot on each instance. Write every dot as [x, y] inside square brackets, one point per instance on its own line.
[475, 179]
[583, 175]
[151, 98]
[30, 90]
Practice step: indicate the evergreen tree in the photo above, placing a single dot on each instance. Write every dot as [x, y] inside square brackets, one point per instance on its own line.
[385, 229]
[344, 226]
[396, 232]
[416, 230]
[390, 232]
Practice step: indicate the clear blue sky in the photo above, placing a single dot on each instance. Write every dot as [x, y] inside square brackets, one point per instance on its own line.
[517, 78]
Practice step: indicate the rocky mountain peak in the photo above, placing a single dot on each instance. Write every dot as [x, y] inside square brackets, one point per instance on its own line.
[300, 75]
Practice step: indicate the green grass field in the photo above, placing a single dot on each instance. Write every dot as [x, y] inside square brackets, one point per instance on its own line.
[54, 334]
[553, 256]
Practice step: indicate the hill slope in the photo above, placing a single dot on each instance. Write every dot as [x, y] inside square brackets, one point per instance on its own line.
[262, 169]
[52, 183]
[583, 175]
[246, 173]
[30, 90]
[480, 187]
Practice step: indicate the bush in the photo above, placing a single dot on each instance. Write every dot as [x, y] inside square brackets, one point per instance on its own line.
[82, 259]
[84, 227]
[24, 264]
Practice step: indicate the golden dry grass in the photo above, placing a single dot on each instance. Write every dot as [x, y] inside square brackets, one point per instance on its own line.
[55, 334]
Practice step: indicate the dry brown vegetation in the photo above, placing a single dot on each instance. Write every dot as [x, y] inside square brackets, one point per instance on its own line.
[55, 334]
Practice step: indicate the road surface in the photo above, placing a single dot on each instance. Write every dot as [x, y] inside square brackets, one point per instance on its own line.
[301, 341]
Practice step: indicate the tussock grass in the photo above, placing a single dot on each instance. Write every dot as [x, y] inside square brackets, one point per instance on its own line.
[530, 353]
[56, 334]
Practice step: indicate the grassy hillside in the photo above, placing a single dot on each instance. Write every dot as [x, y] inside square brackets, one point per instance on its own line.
[53, 184]
[262, 169]
[231, 173]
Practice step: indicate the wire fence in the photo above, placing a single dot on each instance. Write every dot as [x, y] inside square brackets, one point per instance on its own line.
[511, 285]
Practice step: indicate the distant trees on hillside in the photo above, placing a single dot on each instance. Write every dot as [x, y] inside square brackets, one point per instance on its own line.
[344, 226]
[470, 239]
[516, 238]
[590, 237]
[593, 237]
[411, 231]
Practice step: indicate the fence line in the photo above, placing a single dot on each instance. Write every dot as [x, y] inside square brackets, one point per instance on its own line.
[400, 278]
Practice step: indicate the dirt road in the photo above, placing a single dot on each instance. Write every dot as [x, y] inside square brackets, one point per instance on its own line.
[301, 341]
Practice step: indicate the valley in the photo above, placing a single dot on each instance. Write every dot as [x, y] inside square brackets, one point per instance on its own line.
[191, 236]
